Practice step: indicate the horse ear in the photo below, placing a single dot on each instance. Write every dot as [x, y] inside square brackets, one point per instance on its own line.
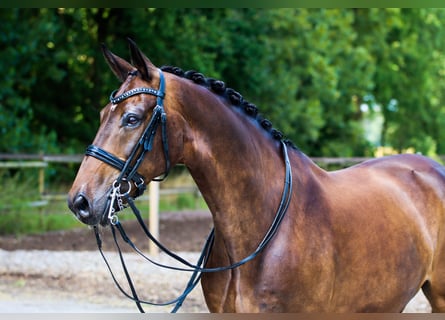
[119, 66]
[140, 61]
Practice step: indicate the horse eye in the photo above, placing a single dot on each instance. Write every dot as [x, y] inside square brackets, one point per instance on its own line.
[131, 120]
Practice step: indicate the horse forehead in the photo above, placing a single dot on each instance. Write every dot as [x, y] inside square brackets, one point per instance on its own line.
[132, 81]
[134, 104]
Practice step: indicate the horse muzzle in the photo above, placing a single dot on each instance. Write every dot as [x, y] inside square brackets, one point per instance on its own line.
[86, 211]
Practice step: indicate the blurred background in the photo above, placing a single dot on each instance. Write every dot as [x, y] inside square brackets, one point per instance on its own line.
[337, 82]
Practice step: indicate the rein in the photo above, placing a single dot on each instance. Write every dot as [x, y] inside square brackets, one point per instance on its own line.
[129, 173]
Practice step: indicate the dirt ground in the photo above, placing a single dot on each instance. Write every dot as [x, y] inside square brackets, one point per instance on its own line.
[179, 231]
[63, 271]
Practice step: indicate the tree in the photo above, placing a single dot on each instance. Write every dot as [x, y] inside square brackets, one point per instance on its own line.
[301, 68]
[308, 70]
[21, 51]
[408, 50]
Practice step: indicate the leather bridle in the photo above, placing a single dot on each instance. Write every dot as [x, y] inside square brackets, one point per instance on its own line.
[128, 169]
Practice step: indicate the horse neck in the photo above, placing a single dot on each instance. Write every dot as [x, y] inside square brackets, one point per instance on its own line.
[239, 169]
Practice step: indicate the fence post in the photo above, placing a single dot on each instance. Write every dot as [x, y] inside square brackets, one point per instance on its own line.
[154, 215]
[41, 181]
[42, 177]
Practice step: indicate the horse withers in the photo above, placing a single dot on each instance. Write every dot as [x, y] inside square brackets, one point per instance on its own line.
[361, 239]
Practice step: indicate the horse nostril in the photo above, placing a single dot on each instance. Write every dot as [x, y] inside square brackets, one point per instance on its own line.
[82, 206]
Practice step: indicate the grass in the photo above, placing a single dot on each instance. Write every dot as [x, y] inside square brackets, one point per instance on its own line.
[19, 215]
[20, 189]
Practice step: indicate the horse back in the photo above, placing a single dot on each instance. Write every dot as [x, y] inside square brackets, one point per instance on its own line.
[403, 191]
[382, 223]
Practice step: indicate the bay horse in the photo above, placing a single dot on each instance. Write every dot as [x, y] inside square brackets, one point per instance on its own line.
[361, 239]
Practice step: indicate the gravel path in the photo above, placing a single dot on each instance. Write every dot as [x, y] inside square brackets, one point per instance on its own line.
[67, 281]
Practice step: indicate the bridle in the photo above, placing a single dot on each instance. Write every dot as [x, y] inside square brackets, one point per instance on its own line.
[128, 169]
[128, 172]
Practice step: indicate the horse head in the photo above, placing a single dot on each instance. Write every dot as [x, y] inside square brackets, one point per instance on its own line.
[131, 147]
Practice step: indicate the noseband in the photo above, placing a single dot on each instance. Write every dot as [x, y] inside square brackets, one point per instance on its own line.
[128, 169]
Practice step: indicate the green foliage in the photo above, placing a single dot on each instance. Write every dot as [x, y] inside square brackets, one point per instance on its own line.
[20, 214]
[18, 191]
[308, 70]
[20, 68]
[407, 46]
[20, 211]
[31, 221]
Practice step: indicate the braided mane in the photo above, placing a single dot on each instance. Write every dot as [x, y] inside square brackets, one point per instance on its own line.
[235, 98]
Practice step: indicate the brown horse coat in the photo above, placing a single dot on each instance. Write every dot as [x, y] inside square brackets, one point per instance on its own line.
[366, 238]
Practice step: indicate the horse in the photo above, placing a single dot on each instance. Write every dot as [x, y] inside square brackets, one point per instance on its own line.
[361, 239]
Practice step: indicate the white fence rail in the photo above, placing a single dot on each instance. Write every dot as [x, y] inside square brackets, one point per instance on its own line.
[41, 162]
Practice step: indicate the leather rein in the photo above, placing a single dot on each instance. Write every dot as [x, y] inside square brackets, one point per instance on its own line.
[128, 174]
